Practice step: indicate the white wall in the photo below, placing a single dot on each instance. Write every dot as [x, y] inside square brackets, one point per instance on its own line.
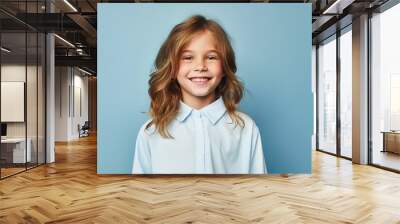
[62, 81]
[80, 109]
[16, 72]
[12, 73]
[70, 83]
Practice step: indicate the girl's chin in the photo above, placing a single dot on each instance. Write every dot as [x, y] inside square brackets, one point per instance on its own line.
[203, 84]
[201, 94]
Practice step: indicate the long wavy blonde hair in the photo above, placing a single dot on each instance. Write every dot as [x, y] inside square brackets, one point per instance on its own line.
[164, 89]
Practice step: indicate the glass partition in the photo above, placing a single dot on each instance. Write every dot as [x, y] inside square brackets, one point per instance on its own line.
[346, 93]
[32, 95]
[41, 91]
[327, 95]
[385, 89]
[13, 109]
[22, 101]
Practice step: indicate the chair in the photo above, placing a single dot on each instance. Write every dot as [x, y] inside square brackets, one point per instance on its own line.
[84, 130]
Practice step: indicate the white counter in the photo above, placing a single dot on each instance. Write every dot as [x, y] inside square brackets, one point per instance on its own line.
[19, 149]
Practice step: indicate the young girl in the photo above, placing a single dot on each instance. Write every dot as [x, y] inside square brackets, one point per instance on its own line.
[195, 126]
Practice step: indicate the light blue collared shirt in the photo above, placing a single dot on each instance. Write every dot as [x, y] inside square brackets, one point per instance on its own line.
[205, 141]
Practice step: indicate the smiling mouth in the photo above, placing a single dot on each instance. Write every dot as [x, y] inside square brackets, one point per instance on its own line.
[200, 79]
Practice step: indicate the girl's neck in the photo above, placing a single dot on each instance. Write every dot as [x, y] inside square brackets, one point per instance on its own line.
[198, 102]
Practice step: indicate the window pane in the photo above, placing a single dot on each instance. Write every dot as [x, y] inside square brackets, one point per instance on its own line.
[41, 98]
[346, 93]
[31, 88]
[327, 96]
[386, 89]
[31, 101]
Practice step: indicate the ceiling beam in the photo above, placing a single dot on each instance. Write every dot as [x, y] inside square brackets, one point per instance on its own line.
[84, 61]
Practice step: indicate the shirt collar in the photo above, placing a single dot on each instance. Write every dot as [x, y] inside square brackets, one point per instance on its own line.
[213, 112]
[184, 112]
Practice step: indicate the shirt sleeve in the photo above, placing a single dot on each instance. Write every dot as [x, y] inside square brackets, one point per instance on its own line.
[257, 160]
[142, 157]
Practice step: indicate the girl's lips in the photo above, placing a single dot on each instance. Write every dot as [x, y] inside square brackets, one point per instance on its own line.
[200, 80]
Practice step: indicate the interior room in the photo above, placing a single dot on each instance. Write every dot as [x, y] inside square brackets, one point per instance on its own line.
[49, 136]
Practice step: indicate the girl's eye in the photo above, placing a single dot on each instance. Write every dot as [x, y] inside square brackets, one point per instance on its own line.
[187, 58]
[212, 57]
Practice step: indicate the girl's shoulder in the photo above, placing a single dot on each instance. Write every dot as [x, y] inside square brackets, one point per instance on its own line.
[246, 118]
[250, 125]
[147, 128]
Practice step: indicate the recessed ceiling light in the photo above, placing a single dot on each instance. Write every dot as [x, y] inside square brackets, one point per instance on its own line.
[70, 5]
[84, 71]
[65, 41]
[337, 7]
[5, 50]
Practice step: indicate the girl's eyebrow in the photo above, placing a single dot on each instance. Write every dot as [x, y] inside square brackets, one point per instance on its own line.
[187, 51]
[212, 51]
[209, 51]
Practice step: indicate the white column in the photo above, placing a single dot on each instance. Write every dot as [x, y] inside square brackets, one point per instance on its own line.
[50, 93]
[50, 100]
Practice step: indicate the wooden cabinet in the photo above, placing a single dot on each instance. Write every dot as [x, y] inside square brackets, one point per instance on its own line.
[391, 142]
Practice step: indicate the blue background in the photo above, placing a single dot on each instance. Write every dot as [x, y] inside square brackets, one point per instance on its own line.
[272, 43]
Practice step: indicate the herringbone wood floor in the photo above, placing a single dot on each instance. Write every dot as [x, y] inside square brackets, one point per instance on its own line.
[70, 191]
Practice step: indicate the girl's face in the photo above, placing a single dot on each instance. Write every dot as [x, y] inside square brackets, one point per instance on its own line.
[200, 69]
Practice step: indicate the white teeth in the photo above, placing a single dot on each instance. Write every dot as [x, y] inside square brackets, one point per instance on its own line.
[199, 79]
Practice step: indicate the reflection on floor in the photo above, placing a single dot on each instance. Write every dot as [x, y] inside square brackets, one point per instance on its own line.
[10, 169]
[346, 152]
[386, 159]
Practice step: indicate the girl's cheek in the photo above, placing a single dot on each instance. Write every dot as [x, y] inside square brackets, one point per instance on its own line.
[187, 68]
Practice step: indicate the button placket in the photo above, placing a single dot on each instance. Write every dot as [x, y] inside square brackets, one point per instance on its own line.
[208, 167]
[199, 142]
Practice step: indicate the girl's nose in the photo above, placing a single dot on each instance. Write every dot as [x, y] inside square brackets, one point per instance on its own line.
[200, 66]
